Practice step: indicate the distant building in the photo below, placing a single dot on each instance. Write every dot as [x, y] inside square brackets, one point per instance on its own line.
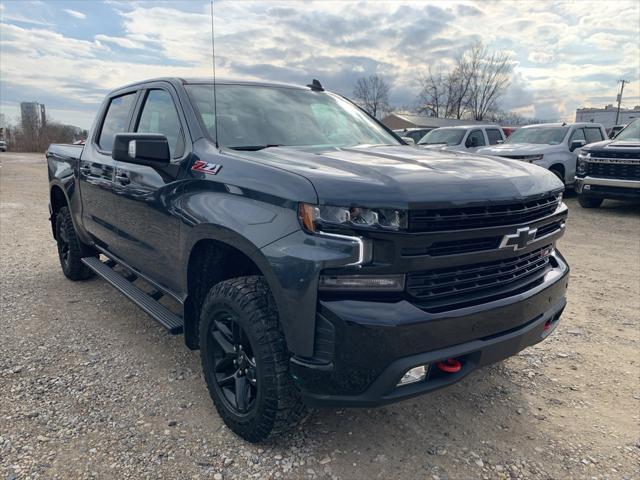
[607, 115]
[398, 120]
[33, 115]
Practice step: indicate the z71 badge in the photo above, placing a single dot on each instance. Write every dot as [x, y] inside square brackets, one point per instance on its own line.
[204, 167]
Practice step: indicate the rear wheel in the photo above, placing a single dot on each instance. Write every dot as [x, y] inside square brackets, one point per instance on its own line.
[586, 201]
[245, 361]
[70, 249]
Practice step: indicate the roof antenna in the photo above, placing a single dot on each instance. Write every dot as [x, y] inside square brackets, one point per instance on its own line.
[316, 86]
[213, 69]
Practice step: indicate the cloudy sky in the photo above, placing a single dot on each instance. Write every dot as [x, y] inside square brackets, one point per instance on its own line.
[68, 54]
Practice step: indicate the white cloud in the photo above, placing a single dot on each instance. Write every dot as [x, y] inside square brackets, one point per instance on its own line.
[563, 51]
[124, 42]
[75, 13]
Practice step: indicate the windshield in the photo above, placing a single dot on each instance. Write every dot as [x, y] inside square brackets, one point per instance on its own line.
[450, 136]
[252, 117]
[539, 135]
[631, 132]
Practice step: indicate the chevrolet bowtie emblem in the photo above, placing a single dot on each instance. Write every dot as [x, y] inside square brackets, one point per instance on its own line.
[520, 239]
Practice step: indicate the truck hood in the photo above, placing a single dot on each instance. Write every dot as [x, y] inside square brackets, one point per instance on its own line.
[519, 149]
[406, 177]
[618, 145]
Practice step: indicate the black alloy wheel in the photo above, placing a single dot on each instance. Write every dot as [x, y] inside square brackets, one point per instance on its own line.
[231, 359]
[245, 359]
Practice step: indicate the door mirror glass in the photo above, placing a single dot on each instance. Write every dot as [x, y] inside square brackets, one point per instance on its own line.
[148, 149]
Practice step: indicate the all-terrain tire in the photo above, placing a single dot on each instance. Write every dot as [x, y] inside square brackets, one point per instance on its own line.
[586, 201]
[277, 406]
[70, 249]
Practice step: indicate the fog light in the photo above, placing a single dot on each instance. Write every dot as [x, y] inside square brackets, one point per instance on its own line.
[414, 375]
[388, 283]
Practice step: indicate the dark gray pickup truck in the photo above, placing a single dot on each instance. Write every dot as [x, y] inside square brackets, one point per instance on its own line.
[311, 256]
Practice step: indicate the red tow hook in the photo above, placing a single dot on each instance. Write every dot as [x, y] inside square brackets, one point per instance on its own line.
[450, 365]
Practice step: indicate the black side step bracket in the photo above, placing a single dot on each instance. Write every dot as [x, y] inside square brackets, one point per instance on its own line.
[172, 322]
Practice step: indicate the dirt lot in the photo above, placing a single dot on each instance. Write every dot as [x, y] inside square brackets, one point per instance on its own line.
[90, 386]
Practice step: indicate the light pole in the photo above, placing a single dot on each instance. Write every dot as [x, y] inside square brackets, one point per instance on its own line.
[620, 98]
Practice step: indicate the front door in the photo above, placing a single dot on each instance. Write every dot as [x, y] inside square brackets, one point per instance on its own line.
[147, 208]
[97, 169]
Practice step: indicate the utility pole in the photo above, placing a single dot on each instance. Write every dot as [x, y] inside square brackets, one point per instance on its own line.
[620, 98]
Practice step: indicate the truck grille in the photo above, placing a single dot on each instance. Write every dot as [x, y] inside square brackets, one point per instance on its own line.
[481, 217]
[626, 171]
[449, 288]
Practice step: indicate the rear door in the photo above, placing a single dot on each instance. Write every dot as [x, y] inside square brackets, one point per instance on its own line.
[97, 169]
[148, 224]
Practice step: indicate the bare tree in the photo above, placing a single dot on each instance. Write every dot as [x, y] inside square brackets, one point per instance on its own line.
[372, 94]
[470, 89]
[444, 94]
[489, 74]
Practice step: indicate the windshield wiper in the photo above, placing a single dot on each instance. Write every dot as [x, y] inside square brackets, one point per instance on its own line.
[254, 148]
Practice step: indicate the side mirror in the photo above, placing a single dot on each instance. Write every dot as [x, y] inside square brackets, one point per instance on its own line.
[577, 144]
[471, 142]
[408, 140]
[150, 149]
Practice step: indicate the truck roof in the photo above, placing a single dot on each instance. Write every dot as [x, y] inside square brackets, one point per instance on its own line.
[565, 124]
[209, 81]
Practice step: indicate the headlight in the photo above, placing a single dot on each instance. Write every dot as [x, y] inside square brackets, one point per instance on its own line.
[533, 158]
[581, 167]
[313, 217]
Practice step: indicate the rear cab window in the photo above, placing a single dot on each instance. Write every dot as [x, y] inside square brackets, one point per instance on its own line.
[116, 120]
[494, 136]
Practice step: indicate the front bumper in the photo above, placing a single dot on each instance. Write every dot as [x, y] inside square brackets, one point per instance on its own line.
[376, 342]
[608, 188]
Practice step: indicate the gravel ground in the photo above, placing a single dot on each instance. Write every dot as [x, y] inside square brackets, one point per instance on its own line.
[91, 387]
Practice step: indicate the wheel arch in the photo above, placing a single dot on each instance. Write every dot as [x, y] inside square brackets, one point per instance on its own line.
[57, 200]
[559, 167]
[216, 254]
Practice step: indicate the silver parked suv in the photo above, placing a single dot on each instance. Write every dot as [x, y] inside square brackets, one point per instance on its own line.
[554, 146]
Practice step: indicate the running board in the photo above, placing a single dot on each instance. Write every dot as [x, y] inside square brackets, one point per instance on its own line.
[172, 322]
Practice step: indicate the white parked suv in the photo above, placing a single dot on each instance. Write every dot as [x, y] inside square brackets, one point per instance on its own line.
[554, 146]
[465, 138]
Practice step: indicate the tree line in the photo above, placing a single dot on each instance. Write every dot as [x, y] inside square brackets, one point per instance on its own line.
[469, 89]
[34, 135]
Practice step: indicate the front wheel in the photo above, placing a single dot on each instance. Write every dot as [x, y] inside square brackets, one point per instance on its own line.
[245, 360]
[586, 201]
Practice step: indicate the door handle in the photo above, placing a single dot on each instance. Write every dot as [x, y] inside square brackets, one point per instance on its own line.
[85, 169]
[123, 178]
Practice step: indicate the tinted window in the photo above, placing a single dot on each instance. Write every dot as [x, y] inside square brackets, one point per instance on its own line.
[578, 134]
[159, 115]
[593, 135]
[538, 135]
[494, 136]
[445, 136]
[116, 120]
[475, 139]
[252, 116]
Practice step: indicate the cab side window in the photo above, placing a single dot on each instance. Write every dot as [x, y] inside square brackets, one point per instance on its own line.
[159, 115]
[116, 120]
[578, 134]
[494, 136]
[593, 135]
[475, 139]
